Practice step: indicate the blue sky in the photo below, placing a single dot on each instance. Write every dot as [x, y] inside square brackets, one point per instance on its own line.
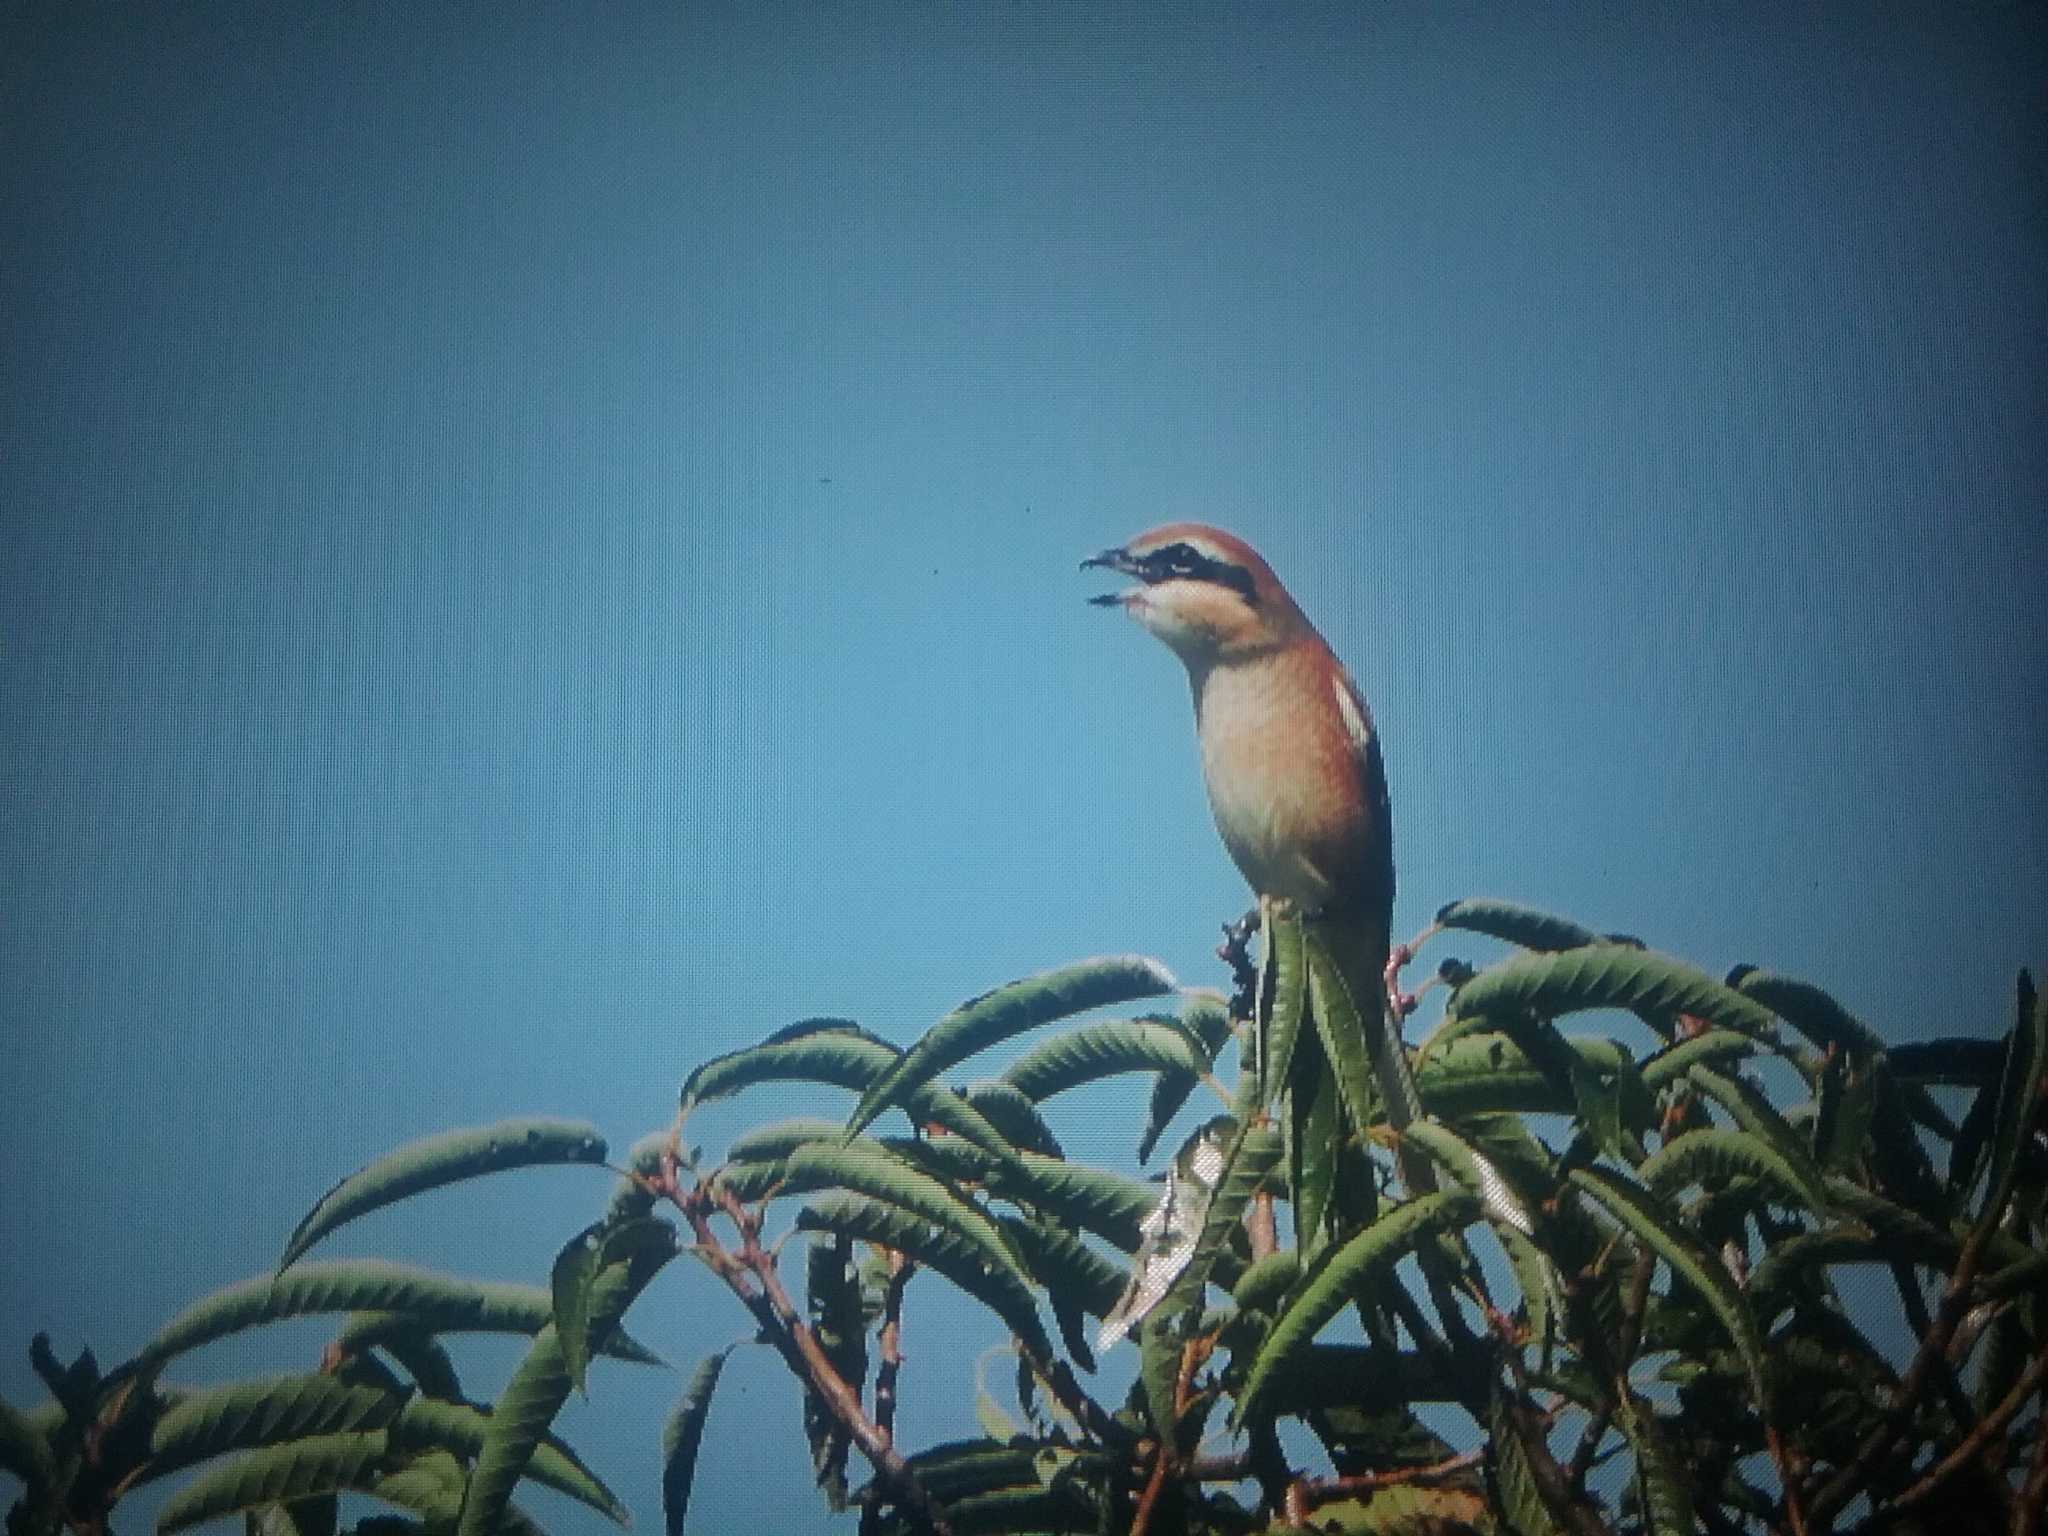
[539, 548]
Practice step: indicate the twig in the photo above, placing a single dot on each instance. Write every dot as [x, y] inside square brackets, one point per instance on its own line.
[1321, 1491]
[1845, 1485]
[2033, 1499]
[751, 1275]
[1989, 1428]
[1192, 1355]
[901, 1267]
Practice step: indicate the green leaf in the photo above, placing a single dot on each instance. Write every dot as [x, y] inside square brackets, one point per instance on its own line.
[1698, 1156]
[460, 1430]
[1250, 1155]
[439, 1303]
[1749, 1109]
[1287, 961]
[1065, 1265]
[960, 1469]
[1206, 1014]
[1674, 1061]
[1522, 1503]
[1513, 924]
[1343, 1272]
[842, 1058]
[25, 1450]
[1266, 1282]
[1845, 1102]
[1637, 1212]
[1314, 1135]
[629, 1196]
[2019, 1099]
[1491, 1074]
[278, 1474]
[1609, 976]
[1355, 1044]
[1829, 1025]
[868, 1168]
[1662, 1492]
[243, 1414]
[1092, 1199]
[681, 1437]
[1061, 1507]
[1089, 1053]
[1159, 1350]
[444, 1159]
[938, 1249]
[1010, 1010]
[575, 1268]
[1962, 1061]
[835, 1307]
[1013, 1115]
[773, 1142]
[630, 1256]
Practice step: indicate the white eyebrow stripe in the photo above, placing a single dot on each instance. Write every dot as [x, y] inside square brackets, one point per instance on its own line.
[1347, 706]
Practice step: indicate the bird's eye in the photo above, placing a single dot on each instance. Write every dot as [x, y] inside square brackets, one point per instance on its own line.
[1181, 560]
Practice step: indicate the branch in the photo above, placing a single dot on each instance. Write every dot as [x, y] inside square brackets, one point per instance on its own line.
[1320, 1491]
[1990, 1428]
[753, 1278]
[901, 1268]
[1847, 1483]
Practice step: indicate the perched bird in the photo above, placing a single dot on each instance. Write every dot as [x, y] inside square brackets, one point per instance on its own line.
[1292, 765]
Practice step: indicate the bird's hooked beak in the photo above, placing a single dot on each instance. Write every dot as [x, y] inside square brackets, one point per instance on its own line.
[1122, 562]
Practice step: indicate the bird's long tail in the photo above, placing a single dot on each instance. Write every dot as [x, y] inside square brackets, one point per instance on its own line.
[1357, 947]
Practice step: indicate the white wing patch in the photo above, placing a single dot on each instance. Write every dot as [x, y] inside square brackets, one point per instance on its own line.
[1354, 717]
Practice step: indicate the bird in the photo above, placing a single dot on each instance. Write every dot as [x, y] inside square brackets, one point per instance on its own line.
[1295, 776]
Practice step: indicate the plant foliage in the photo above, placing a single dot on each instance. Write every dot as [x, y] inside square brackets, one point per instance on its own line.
[1612, 1265]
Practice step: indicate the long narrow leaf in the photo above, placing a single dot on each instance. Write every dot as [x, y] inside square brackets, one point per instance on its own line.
[631, 1256]
[278, 1474]
[842, 1058]
[890, 1226]
[682, 1436]
[444, 1159]
[245, 1414]
[1637, 1211]
[440, 1303]
[1343, 1273]
[1010, 1010]
[1209, 1018]
[1089, 1053]
[1610, 976]
[460, 1429]
[1515, 924]
[1723, 1154]
[2019, 1099]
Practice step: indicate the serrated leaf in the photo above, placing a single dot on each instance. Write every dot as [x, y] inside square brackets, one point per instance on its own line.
[245, 1414]
[278, 1474]
[1012, 1114]
[1610, 976]
[569, 1282]
[1490, 1074]
[1662, 1493]
[1207, 1016]
[1287, 1002]
[890, 1226]
[447, 1158]
[1514, 924]
[460, 1428]
[1845, 1101]
[840, 1058]
[868, 1168]
[1828, 1024]
[630, 1256]
[1342, 1272]
[1746, 1105]
[1095, 1200]
[1008, 1011]
[1674, 1061]
[1725, 1154]
[683, 1435]
[1371, 1070]
[1637, 1211]
[439, 1303]
[1105, 1048]
[835, 1308]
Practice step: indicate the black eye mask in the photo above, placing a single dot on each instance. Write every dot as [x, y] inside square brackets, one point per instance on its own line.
[1183, 562]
